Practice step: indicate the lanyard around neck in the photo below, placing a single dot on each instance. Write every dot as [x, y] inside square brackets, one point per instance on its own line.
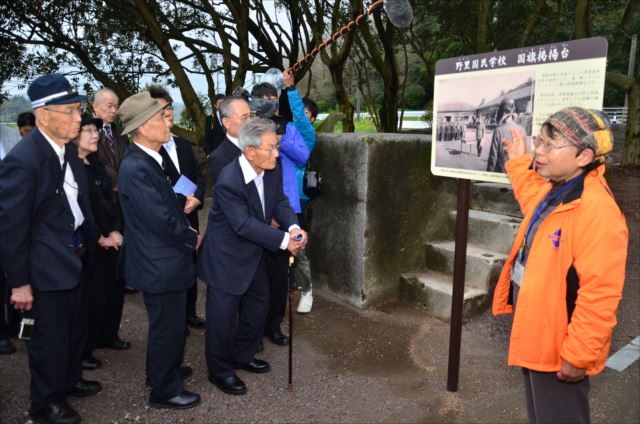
[548, 200]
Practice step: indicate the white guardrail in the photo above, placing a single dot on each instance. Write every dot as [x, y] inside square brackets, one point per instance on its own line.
[615, 114]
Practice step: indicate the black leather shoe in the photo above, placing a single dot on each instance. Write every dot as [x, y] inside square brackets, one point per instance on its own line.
[278, 338]
[231, 385]
[56, 413]
[260, 347]
[184, 400]
[129, 290]
[185, 372]
[84, 388]
[257, 366]
[6, 347]
[89, 363]
[194, 321]
[119, 344]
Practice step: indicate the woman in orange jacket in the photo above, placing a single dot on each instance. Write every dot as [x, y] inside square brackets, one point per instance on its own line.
[566, 269]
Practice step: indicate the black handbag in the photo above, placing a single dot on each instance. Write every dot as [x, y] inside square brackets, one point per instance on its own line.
[311, 183]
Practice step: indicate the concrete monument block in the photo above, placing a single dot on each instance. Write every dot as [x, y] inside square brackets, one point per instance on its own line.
[379, 203]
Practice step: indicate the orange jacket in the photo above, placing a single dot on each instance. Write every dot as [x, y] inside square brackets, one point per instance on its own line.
[593, 240]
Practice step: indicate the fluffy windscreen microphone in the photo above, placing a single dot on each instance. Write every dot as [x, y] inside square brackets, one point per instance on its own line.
[400, 12]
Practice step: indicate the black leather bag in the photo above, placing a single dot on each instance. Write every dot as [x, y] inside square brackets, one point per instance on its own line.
[311, 183]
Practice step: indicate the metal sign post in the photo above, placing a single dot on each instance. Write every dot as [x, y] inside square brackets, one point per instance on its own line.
[457, 299]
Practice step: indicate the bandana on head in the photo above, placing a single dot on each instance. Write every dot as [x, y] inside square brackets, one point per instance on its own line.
[585, 128]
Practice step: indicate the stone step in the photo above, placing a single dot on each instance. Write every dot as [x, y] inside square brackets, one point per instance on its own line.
[482, 265]
[433, 291]
[490, 230]
[494, 197]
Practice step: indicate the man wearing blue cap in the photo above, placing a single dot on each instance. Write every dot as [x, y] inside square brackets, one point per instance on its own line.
[44, 224]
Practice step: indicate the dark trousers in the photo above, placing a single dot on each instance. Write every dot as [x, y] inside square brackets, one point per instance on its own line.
[192, 298]
[550, 400]
[105, 299]
[4, 331]
[55, 348]
[278, 272]
[235, 324]
[165, 343]
[9, 316]
[192, 294]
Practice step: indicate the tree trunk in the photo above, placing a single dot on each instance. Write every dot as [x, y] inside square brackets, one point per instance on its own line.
[533, 21]
[190, 97]
[583, 19]
[483, 18]
[386, 64]
[632, 133]
[342, 97]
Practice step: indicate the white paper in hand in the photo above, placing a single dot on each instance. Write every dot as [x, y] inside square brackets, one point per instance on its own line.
[185, 186]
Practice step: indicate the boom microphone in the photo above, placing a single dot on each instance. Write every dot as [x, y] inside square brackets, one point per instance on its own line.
[400, 12]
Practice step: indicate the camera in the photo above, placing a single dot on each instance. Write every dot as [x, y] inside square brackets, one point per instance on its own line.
[26, 328]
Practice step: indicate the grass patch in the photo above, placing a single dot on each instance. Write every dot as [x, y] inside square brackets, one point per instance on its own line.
[362, 125]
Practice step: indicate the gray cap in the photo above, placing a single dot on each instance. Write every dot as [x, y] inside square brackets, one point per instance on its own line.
[138, 109]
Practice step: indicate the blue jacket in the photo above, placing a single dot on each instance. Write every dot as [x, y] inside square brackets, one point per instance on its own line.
[306, 130]
[293, 153]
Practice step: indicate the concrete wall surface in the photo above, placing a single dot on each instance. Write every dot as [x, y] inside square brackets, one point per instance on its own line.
[378, 207]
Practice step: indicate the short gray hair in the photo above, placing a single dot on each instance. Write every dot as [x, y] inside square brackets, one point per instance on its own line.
[98, 94]
[251, 133]
[225, 106]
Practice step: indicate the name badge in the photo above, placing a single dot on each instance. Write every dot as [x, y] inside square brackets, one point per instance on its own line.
[517, 271]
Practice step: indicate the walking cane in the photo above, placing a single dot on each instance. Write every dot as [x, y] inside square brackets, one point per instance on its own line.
[292, 285]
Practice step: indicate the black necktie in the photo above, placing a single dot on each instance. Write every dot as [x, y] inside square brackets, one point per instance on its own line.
[109, 137]
[168, 167]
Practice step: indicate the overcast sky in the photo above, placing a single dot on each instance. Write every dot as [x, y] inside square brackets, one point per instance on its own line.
[198, 81]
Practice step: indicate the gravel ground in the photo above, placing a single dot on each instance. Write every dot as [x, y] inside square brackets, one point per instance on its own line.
[387, 365]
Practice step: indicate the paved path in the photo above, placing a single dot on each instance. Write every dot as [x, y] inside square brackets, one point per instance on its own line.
[374, 366]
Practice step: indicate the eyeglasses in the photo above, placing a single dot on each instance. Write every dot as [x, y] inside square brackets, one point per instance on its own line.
[169, 106]
[90, 130]
[245, 117]
[115, 106]
[547, 146]
[269, 150]
[74, 111]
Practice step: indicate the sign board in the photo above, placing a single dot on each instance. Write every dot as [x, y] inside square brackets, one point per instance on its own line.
[480, 98]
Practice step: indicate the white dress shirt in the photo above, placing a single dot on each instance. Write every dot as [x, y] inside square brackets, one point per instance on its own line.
[250, 175]
[170, 147]
[70, 185]
[155, 155]
[234, 141]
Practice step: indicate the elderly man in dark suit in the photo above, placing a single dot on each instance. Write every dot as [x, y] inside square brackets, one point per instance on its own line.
[112, 146]
[247, 196]
[235, 112]
[45, 220]
[158, 248]
[180, 160]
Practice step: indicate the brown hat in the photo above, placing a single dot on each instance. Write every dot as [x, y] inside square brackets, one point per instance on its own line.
[138, 109]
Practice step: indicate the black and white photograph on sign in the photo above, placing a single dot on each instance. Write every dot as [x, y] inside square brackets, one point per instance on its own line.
[475, 114]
